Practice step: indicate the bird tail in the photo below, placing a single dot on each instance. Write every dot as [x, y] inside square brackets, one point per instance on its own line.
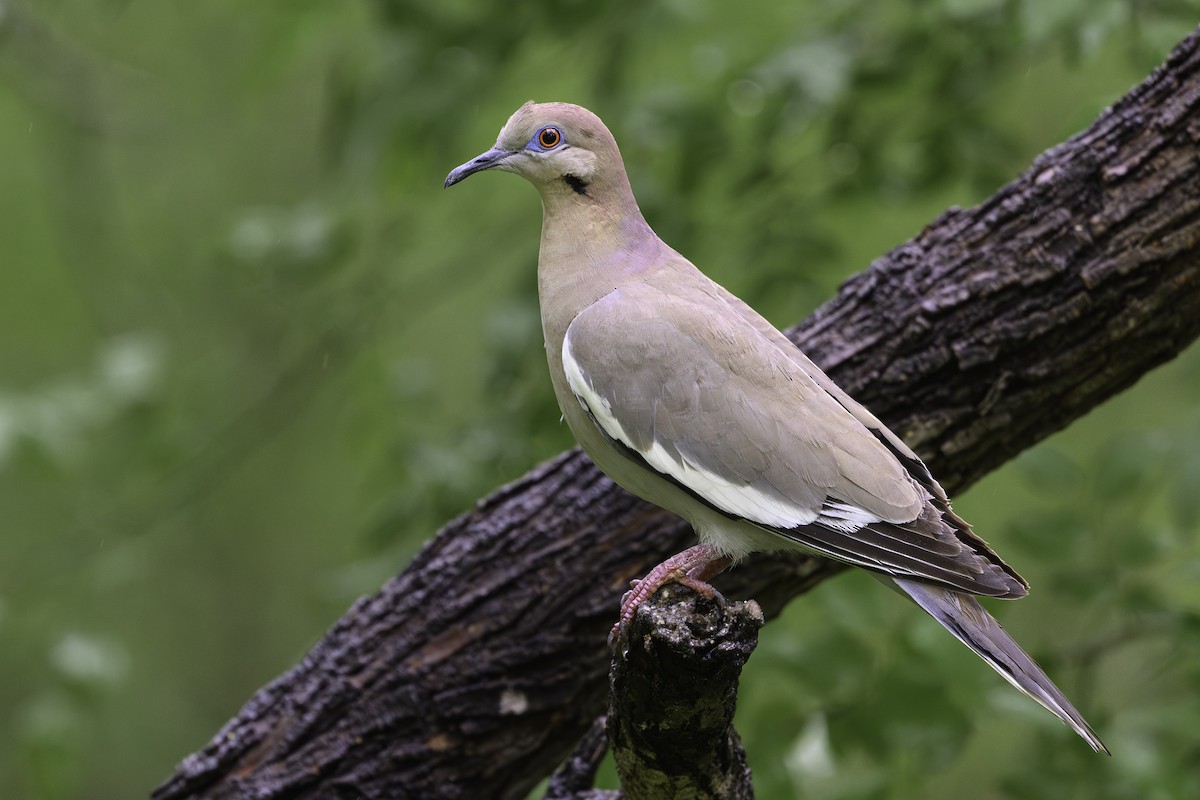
[971, 624]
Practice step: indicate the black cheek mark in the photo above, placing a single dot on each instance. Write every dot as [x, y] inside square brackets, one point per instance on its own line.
[577, 185]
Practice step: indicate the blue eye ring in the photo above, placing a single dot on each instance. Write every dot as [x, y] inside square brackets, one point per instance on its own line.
[548, 138]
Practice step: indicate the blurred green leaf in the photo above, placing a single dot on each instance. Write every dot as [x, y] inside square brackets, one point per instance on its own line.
[1130, 466]
[1049, 471]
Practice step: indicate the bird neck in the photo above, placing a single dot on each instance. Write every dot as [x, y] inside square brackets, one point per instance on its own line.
[592, 242]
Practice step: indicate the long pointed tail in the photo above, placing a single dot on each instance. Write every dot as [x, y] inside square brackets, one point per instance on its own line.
[972, 625]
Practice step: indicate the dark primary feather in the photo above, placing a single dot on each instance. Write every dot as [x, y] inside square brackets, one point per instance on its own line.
[935, 555]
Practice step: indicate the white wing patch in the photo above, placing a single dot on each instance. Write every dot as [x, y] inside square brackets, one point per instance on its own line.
[845, 517]
[733, 498]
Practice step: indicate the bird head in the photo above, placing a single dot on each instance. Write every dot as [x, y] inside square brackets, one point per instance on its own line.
[557, 147]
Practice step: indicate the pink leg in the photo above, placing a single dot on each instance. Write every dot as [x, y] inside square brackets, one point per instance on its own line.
[692, 568]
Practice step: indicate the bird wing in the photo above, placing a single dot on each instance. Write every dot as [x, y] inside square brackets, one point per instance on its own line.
[713, 405]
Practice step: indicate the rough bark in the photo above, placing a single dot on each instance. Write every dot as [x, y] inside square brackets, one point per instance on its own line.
[577, 775]
[474, 672]
[672, 695]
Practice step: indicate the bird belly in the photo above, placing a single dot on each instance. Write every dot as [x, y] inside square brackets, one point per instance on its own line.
[733, 536]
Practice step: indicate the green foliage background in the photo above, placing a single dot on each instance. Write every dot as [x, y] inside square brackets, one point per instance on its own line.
[251, 356]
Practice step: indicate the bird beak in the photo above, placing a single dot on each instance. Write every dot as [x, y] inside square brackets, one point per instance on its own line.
[491, 158]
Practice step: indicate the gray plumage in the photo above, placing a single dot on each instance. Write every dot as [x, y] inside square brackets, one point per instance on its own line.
[686, 396]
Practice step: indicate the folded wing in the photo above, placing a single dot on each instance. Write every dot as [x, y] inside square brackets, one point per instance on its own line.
[744, 423]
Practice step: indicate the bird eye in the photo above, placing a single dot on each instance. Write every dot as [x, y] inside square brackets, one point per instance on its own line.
[549, 138]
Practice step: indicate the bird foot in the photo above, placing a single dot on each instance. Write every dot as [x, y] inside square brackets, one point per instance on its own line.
[692, 568]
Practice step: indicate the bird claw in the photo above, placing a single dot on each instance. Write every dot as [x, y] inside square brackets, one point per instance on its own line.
[692, 569]
[702, 588]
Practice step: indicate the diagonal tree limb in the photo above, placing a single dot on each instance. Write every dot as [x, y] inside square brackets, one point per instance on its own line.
[473, 672]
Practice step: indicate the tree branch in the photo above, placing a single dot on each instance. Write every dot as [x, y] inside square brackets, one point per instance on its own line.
[575, 778]
[473, 672]
[673, 690]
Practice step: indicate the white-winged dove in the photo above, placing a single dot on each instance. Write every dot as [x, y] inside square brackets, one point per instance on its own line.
[685, 396]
